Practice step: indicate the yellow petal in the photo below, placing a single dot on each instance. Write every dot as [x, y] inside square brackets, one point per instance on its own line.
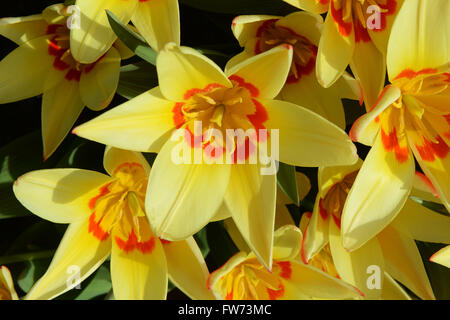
[392, 290]
[423, 188]
[158, 21]
[377, 195]
[98, 86]
[79, 254]
[356, 267]
[114, 158]
[404, 263]
[249, 51]
[303, 135]
[414, 43]
[309, 5]
[59, 195]
[309, 281]
[24, 73]
[369, 67]
[181, 69]
[306, 24]
[182, 198]
[6, 283]
[309, 93]
[246, 27]
[287, 242]
[23, 29]
[236, 235]
[334, 53]
[140, 124]
[316, 233]
[222, 213]
[187, 268]
[267, 71]
[365, 128]
[422, 223]
[442, 257]
[95, 36]
[139, 276]
[251, 199]
[61, 107]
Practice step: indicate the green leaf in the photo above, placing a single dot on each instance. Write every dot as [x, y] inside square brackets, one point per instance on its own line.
[131, 39]
[98, 286]
[273, 7]
[287, 182]
[69, 2]
[33, 271]
[136, 79]
[437, 207]
[201, 238]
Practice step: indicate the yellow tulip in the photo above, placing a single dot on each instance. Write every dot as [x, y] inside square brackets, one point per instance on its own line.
[43, 64]
[410, 121]
[442, 257]
[157, 21]
[106, 217]
[184, 197]
[355, 32]
[392, 251]
[259, 33]
[7, 291]
[243, 277]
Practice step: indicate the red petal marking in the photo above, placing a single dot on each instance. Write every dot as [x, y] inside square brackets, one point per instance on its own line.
[428, 182]
[103, 191]
[361, 33]
[241, 82]
[264, 26]
[430, 150]
[132, 243]
[52, 28]
[229, 295]
[390, 143]
[178, 117]
[345, 28]
[410, 74]
[127, 164]
[323, 212]
[73, 74]
[323, 1]
[337, 221]
[275, 294]
[259, 117]
[163, 241]
[286, 270]
[194, 91]
[96, 229]
[302, 248]
[391, 7]
[303, 70]
[447, 75]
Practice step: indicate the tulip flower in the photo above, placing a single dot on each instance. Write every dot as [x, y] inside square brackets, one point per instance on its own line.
[409, 121]
[392, 251]
[184, 196]
[106, 218]
[43, 64]
[7, 291]
[243, 277]
[442, 257]
[355, 33]
[259, 33]
[157, 21]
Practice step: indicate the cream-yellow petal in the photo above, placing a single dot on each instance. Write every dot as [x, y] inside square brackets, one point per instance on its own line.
[7, 285]
[79, 254]
[137, 275]
[414, 43]
[187, 268]
[287, 242]
[251, 199]
[183, 197]
[95, 36]
[182, 69]
[158, 21]
[267, 72]
[303, 135]
[377, 195]
[59, 195]
[98, 86]
[142, 124]
[114, 158]
[442, 257]
[61, 107]
[23, 29]
[306, 24]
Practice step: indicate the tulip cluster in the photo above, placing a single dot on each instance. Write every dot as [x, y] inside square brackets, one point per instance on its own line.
[260, 154]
